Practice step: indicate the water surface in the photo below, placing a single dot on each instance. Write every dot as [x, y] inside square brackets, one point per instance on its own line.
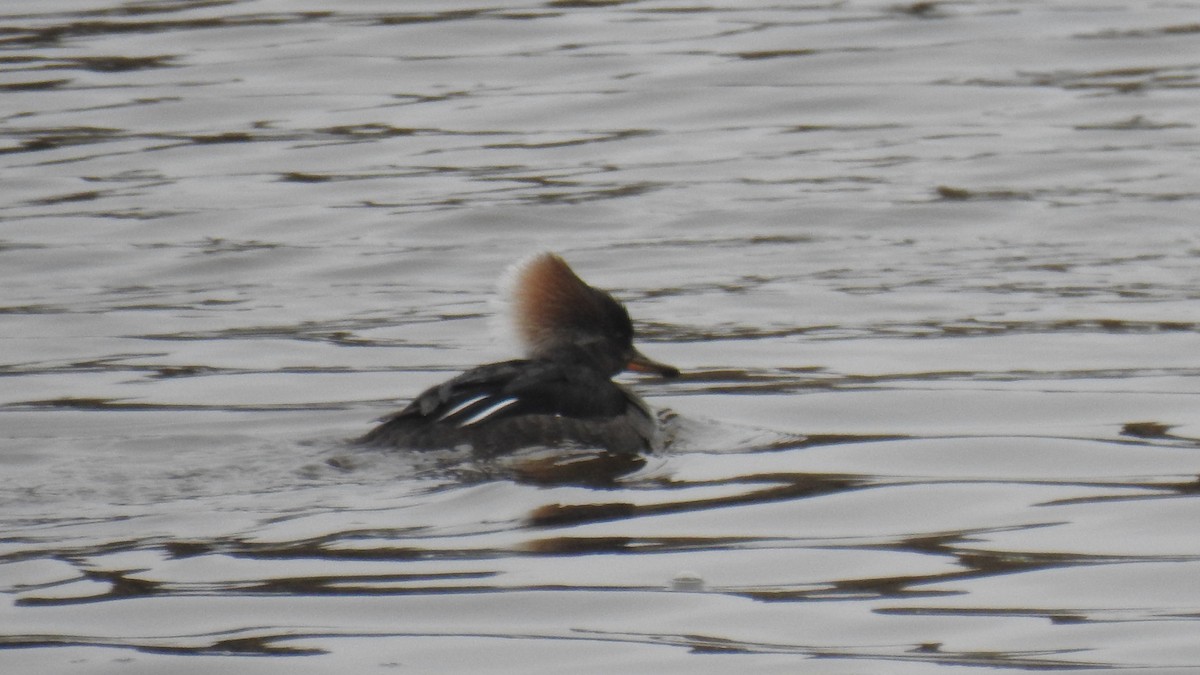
[930, 270]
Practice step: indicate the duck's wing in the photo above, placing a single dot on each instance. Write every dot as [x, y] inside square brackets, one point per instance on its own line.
[512, 388]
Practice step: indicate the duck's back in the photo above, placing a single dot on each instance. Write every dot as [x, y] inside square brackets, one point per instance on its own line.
[506, 406]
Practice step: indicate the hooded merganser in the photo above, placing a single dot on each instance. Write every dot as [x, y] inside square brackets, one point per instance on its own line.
[576, 338]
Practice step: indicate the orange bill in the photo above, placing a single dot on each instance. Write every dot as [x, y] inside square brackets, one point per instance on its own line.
[640, 363]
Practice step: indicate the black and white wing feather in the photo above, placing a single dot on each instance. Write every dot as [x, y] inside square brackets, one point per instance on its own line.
[501, 392]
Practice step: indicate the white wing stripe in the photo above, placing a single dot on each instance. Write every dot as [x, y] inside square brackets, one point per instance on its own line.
[488, 412]
[458, 408]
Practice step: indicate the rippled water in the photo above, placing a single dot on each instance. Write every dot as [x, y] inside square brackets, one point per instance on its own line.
[931, 270]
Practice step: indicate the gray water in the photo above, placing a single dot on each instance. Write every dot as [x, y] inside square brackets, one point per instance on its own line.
[931, 271]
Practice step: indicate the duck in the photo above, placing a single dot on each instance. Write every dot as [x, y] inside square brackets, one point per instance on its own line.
[576, 338]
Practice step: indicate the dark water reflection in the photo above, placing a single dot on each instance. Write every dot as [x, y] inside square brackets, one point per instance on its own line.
[930, 269]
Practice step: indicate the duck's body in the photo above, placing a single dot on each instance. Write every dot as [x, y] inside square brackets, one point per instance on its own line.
[501, 407]
[577, 338]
